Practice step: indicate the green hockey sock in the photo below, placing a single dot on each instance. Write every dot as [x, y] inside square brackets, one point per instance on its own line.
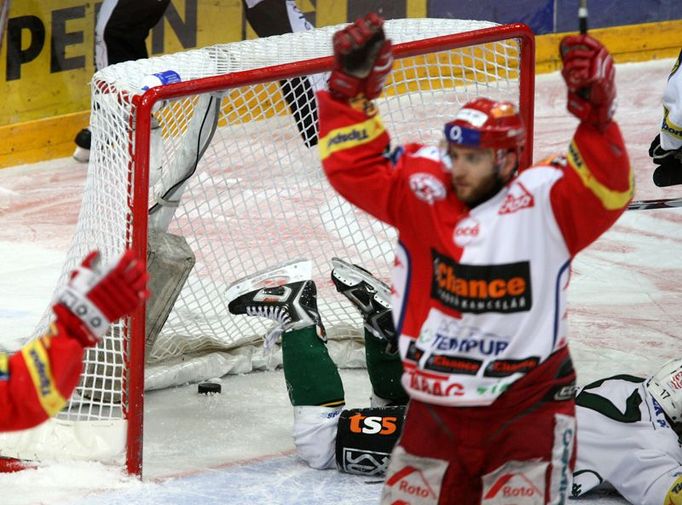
[384, 371]
[310, 374]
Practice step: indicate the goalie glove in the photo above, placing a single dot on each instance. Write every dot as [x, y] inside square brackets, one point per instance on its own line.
[363, 59]
[669, 169]
[98, 295]
[590, 77]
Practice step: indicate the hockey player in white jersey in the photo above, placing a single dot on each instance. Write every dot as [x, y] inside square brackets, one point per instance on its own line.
[666, 148]
[628, 436]
[326, 434]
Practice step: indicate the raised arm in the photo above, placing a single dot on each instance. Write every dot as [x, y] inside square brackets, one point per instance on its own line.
[36, 381]
[353, 141]
[598, 181]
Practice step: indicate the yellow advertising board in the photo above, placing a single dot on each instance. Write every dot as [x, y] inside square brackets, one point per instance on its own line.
[51, 50]
[47, 57]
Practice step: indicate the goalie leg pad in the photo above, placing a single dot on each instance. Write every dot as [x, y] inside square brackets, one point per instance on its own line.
[365, 439]
[169, 261]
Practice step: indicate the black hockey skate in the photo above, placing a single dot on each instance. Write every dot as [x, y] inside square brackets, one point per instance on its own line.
[293, 306]
[83, 140]
[371, 297]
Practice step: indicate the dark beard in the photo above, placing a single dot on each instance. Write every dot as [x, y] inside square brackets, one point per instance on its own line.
[494, 189]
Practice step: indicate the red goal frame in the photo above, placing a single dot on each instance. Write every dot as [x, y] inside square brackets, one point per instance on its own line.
[143, 104]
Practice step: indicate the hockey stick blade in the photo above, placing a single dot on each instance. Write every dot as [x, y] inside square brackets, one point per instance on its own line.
[663, 203]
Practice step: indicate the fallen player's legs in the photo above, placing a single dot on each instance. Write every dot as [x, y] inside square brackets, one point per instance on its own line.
[372, 298]
[312, 379]
[358, 440]
[316, 393]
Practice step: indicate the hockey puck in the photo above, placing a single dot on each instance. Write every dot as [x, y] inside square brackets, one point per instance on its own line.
[205, 388]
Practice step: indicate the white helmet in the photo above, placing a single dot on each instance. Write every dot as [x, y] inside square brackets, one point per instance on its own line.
[666, 388]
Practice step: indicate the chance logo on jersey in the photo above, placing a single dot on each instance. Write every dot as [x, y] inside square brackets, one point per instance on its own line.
[481, 288]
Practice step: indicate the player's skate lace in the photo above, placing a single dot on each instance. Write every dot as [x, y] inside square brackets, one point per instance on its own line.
[279, 314]
[292, 306]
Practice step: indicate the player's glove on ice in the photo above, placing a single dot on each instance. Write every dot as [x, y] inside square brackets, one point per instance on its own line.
[669, 169]
[363, 59]
[97, 295]
[590, 76]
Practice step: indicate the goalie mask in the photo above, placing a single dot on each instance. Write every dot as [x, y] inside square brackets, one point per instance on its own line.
[666, 389]
[485, 123]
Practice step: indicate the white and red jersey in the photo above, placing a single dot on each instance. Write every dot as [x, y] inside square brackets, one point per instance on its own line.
[479, 294]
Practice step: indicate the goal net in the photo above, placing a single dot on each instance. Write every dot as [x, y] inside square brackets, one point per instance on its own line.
[219, 164]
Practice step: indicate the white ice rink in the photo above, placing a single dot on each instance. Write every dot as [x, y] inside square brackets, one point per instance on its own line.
[235, 448]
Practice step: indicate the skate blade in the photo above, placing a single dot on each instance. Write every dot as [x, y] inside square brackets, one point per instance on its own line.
[353, 275]
[285, 273]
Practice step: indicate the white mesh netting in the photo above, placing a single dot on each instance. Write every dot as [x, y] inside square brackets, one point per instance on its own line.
[258, 196]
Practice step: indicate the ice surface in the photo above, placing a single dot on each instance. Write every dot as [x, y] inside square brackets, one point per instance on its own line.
[235, 448]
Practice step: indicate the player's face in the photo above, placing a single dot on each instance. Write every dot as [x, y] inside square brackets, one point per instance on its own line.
[474, 175]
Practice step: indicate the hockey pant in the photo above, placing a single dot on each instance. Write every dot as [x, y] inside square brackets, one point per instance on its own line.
[517, 451]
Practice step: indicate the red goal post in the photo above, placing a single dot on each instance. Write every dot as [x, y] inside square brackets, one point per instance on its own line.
[247, 192]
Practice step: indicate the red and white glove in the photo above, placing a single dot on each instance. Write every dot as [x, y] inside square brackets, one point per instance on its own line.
[590, 76]
[363, 59]
[98, 295]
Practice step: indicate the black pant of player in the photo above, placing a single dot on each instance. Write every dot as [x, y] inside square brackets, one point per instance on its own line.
[123, 27]
[277, 17]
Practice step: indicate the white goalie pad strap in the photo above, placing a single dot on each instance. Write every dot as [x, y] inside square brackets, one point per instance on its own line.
[166, 203]
[84, 309]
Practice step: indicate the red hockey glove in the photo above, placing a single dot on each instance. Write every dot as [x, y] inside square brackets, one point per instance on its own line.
[363, 59]
[590, 76]
[97, 295]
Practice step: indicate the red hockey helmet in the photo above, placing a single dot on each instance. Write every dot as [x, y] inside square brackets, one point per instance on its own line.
[487, 123]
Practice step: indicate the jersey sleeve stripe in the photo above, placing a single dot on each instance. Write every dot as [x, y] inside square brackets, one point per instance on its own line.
[669, 127]
[348, 137]
[4, 366]
[610, 199]
[38, 365]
